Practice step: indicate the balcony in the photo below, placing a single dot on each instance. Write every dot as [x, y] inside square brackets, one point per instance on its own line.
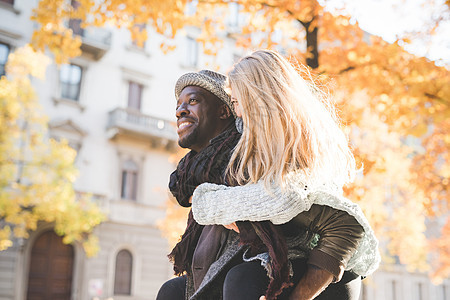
[128, 123]
[95, 41]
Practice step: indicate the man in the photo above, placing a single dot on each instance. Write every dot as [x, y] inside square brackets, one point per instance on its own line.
[206, 126]
[211, 255]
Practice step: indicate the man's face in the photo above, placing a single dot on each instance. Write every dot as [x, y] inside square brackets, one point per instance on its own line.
[198, 113]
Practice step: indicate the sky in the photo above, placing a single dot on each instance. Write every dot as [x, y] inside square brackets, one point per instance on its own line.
[392, 18]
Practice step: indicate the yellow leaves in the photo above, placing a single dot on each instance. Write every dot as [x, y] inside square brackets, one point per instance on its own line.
[90, 246]
[10, 110]
[50, 12]
[53, 33]
[5, 240]
[36, 174]
[26, 61]
[61, 43]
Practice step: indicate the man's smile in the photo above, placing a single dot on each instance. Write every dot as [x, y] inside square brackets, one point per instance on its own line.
[183, 124]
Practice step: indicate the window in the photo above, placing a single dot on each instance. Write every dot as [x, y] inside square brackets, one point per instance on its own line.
[191, 8]
[70, 77]
[4, 52]
[138, 28]
[418, 291]
[129, 180]
[233, 20]
[134, 95]
[192, 52]
[75, 24]
[392, 290]
[441, 292]
[122, 277]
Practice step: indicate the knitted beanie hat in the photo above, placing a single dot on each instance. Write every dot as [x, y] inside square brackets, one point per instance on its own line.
[209, 80]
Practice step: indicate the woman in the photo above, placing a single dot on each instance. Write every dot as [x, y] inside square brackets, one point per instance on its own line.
[291, 163]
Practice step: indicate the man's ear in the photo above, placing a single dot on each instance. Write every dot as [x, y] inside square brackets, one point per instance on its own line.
[224, 112]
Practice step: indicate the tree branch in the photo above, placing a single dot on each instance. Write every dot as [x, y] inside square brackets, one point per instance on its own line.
[439, 99]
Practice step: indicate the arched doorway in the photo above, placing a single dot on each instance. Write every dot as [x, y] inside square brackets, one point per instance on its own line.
[51, 269]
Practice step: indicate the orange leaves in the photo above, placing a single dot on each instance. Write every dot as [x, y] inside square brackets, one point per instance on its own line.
[166, 48]
[402, 86]
[138, 34]
[208, 38]
[396, 105]
[442, 262]
[352, 56]
[174, 223]
[166, 17]
[433, 166]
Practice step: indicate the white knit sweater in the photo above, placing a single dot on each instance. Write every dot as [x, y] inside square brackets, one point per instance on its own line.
[222, 205]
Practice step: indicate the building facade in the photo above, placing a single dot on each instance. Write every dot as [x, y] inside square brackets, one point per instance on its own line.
[115, 105]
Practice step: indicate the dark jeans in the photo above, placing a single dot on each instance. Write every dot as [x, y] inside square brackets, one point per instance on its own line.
[248, 281]
[174, 289]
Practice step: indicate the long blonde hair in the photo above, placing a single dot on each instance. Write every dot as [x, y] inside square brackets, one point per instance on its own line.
[288, 126]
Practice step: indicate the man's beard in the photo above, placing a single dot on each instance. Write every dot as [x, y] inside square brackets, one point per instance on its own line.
[188, 140]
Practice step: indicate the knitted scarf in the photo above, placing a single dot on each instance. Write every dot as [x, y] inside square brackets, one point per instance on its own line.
[209, 165]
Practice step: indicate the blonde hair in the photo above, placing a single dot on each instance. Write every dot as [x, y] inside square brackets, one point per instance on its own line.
[288, 125]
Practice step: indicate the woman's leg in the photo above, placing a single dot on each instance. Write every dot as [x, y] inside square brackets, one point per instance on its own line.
[173, 289]
[246, 281]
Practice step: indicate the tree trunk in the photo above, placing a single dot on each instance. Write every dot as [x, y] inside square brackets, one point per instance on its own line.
[312, 46]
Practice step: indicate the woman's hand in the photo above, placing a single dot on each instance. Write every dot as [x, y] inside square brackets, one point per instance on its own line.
[232, 226]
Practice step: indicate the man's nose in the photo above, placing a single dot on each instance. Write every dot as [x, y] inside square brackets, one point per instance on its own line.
[182, 110]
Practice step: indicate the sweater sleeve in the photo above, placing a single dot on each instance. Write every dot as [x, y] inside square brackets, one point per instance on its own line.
[222, 205]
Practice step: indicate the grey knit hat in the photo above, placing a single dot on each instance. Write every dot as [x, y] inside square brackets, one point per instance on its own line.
[209, 80]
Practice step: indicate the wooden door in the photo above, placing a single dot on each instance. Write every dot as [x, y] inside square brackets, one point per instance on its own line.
[51, 269]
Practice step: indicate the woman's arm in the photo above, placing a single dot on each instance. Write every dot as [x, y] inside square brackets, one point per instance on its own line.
[218, 204]
[222, 205]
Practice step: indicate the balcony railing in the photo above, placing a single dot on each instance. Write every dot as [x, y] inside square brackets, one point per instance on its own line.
[96, 41]
[136, 124]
